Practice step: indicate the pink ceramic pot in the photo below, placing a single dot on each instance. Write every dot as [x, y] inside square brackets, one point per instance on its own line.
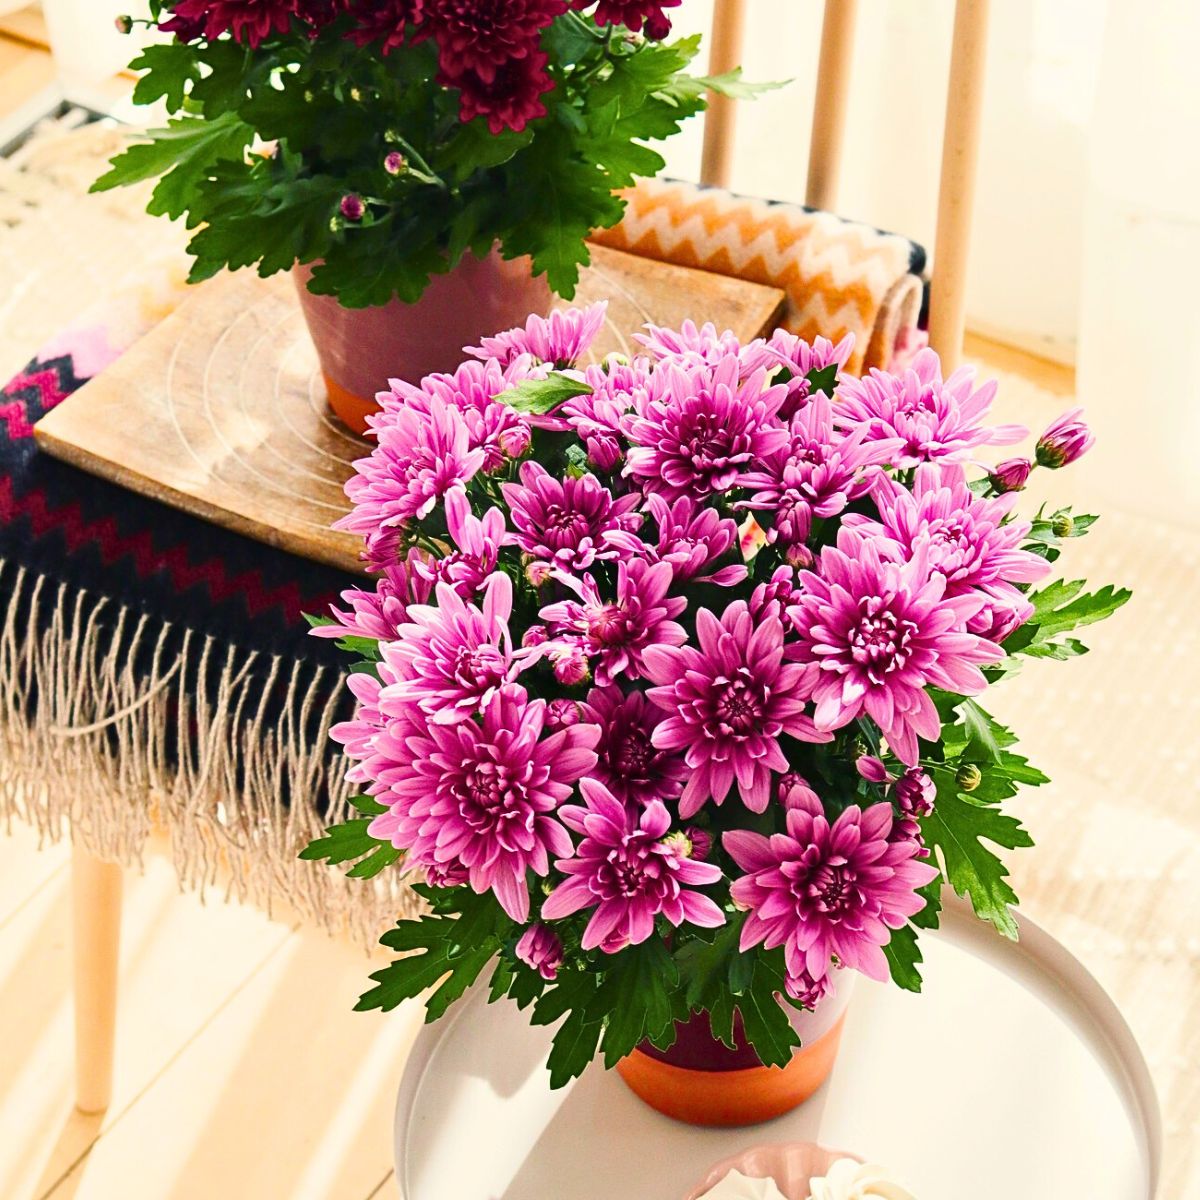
[360, 349]
[700, 1080]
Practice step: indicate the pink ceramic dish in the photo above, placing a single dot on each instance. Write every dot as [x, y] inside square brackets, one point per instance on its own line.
[791, 1164]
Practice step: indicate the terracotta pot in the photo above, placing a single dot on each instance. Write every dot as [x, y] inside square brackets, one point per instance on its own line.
[360, 349]
[702, 1081]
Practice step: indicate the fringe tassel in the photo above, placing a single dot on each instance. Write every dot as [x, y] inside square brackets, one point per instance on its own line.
[113, 726]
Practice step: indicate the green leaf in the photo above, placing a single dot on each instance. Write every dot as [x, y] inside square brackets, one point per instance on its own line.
[823, 379]
[957, 829]
[183, 153]
[171, 68]
[541, 395]
[343, 842]
[634, 1000]
[764, 1020]
[930, 916]
[449, 947]
[573, 1048]
[733, 85]
[903, 955]
[1059, 608]
[981, 732]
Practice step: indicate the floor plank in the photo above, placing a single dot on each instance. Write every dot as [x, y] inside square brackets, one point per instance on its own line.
[180, 962]
[25, 868]
[286, 1093]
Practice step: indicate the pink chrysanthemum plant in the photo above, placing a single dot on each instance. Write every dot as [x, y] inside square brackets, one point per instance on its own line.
[670, 697]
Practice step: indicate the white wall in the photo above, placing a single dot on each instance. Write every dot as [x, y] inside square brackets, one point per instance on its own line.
[1042, 67]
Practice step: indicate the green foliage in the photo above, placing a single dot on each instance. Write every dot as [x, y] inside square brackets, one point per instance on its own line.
[326, 114]
[903, 956]
[448, 948]
[350, 840]
[1048, 532]
[185, 153]
[823, 379]
[541, 395]
[1059, 608]
[962, 821]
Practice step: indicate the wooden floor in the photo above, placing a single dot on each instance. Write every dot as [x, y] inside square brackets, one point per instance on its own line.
[243, 1072]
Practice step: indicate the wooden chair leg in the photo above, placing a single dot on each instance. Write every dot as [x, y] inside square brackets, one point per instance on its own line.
[96, 902]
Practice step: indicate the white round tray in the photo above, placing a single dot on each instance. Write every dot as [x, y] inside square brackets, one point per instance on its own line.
[1011, 1075]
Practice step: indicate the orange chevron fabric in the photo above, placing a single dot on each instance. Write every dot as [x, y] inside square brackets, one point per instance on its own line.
[840, 277]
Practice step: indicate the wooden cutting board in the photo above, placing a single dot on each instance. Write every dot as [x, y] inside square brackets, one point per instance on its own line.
[220, 410]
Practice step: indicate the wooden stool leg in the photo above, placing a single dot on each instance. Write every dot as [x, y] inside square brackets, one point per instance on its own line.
[96, 901]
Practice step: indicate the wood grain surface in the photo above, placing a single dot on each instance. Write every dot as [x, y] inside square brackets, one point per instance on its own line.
[220, 410]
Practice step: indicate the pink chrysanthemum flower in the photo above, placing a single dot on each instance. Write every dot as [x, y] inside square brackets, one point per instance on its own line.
[935, 420]
[629, 872]
[690, 538]
[815, 474]
[618, 633]
[567, 523]
[800, 359]
[689, 346]
[492, 426]
[419, 458]
[875, 633]
[596, 418]
[629, 764]
[559, 339]
[968, 537]
[539, 947]
[485, 795]
[478, 543]
[727, 704]
[772, 596]
[379, 613]
[823, 891]
[449, 660]
[698, 431]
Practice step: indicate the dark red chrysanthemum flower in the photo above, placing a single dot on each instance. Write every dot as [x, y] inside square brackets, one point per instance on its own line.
[384, 21]
[482, 37]
[251, 21]
[510, 99]
[633, 14]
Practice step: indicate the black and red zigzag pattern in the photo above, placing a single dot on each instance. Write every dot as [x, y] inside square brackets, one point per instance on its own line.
[88, 533]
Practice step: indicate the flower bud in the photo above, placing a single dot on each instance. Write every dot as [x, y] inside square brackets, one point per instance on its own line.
[701, 841]
[539, 947]
[446, 875]
[352, 207]
[794, 791]
[535, 635]
[1011, 475]
[515, 440]
[1063, 525]
[537, 574]
[1065, 440]
[798, 555]
[123, 23]
[562, 713]
[915, 792]
[872, 769]
[570, 666]
[968, 777]
[395, 163]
